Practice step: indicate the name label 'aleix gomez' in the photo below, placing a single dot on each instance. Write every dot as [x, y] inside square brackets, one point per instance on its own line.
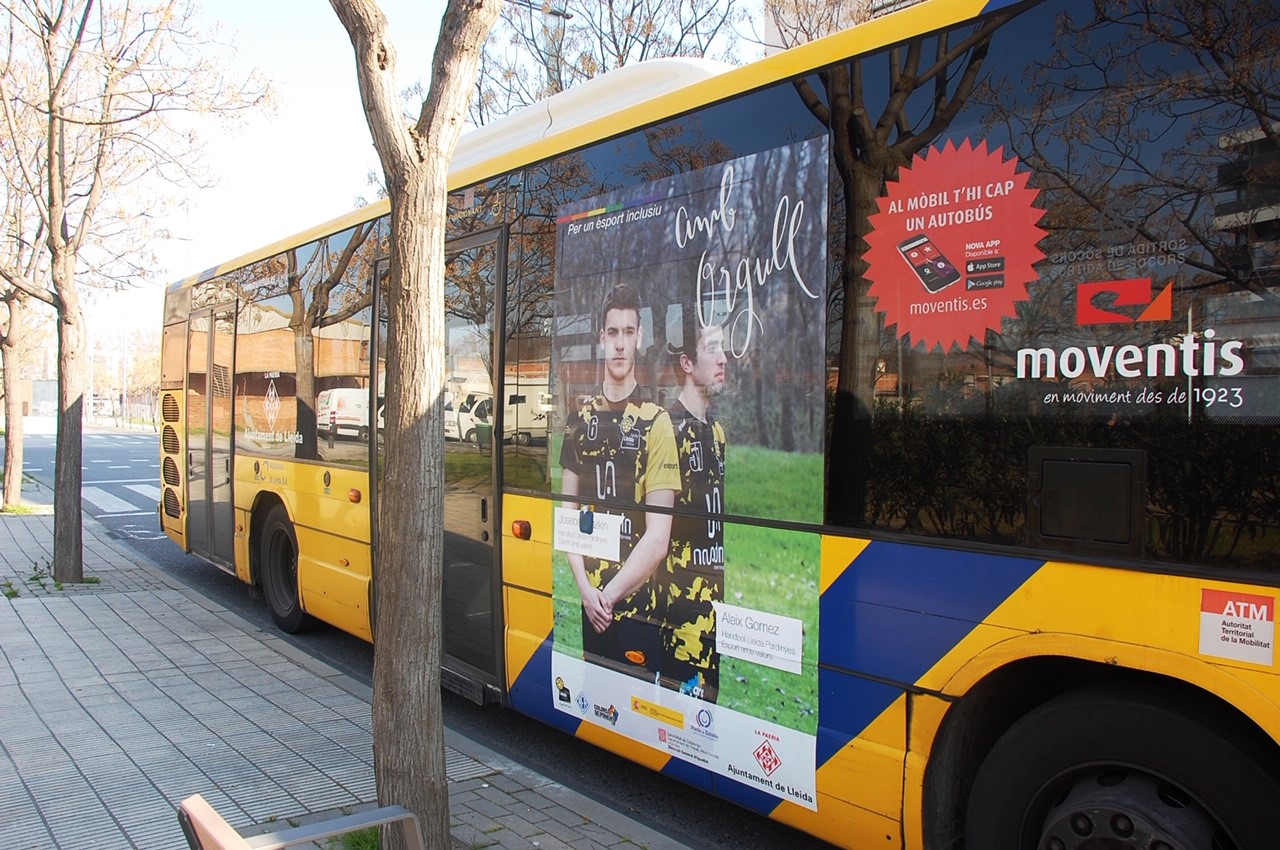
[761, 637]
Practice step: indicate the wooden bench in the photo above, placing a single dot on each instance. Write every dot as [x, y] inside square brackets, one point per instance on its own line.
[205, 829]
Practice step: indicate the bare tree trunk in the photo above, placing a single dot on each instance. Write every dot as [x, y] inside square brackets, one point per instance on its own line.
[9, 362]
[407, 729]
[407, 724]
[68, 557]
[305, 393]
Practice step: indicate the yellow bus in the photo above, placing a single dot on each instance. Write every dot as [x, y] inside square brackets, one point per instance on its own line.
[902, 446]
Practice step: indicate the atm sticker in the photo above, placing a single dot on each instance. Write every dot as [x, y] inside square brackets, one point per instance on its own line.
[1238, 626]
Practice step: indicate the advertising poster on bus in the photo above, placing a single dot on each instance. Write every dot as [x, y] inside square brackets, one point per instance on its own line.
[954, 245]
[687, 370]
[1101, 319]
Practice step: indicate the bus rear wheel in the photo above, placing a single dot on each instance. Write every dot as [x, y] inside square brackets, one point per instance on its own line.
[1103, 768]
[278, 555]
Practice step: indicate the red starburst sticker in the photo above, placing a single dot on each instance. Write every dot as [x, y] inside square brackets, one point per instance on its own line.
[953, 245]
[767, 758]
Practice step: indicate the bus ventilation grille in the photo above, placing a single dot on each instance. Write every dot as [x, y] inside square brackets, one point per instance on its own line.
[171, 472]
[169, 438]
[169, 408]
[171, 507]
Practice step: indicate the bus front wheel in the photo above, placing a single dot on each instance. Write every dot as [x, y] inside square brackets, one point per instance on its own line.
[1111, 768]
[279, 560]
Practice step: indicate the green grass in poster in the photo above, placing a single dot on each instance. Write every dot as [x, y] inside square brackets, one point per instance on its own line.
[567, 605]
[772, 484]
[776, 571]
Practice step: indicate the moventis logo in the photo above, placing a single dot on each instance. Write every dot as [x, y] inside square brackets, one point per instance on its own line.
[1096, 302]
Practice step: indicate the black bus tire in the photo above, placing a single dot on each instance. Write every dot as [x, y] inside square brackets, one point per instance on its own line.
[279, 559]
[1108, 767]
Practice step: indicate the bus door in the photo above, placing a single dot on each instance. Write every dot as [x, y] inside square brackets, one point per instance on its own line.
[474, 270]
[210, 517]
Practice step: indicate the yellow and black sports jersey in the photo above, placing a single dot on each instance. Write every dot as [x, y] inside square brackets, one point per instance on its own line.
[621, 451]
[692, 578]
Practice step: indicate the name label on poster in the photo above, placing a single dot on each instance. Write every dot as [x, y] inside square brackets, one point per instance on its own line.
[1239, 626]
[604, 541]
[760, 637]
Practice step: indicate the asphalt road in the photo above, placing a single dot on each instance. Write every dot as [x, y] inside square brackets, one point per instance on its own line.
[121, 474]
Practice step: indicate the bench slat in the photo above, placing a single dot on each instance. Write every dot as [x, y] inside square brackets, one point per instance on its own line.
[205, 829]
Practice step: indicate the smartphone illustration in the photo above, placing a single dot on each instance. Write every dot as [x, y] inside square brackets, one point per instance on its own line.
[933, 269]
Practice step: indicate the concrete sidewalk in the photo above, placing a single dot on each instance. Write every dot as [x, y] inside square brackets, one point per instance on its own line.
[121, 697]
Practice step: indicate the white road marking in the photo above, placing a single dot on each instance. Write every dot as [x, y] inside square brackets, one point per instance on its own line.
[150, 491]
[137, 533]
[105, 502]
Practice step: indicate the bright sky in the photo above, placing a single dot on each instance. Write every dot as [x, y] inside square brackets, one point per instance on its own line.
[303, 165]
[284, 172]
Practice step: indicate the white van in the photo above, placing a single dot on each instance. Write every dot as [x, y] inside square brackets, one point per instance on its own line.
[344, 411]
[450, 421]
[475, 408]
[525, 414]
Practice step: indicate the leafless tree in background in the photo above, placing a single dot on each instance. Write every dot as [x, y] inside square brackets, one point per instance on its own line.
[105, 83]
[540, 49]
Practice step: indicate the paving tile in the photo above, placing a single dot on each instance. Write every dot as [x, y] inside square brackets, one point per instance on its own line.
[520, 825]
[123, 697]
[488, 808]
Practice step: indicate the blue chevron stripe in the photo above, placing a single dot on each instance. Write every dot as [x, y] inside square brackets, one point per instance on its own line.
[893, 614]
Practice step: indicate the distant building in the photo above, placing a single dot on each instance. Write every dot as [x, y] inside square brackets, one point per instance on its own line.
[1248, 204]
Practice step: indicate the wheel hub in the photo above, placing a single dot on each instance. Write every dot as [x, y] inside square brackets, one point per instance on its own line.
[1117, 809]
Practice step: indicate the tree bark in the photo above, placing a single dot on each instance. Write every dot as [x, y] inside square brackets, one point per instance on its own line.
[408, 725]
[10, 360]
[408, 728]
[68, 556]
[305, 393]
